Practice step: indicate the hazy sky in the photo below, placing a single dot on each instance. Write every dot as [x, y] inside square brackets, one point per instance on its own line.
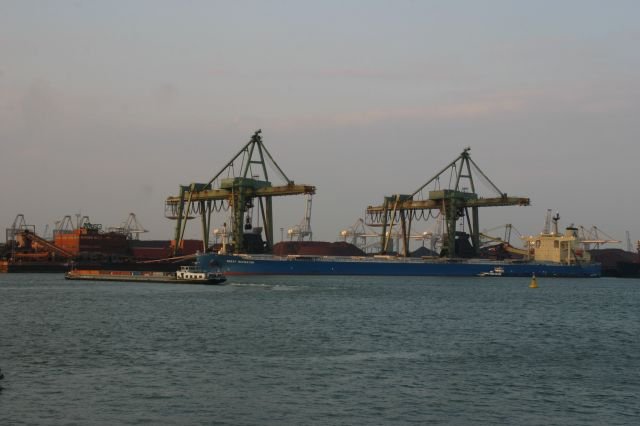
[107, 106]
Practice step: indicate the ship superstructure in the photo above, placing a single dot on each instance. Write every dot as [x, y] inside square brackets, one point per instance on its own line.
[552, 246]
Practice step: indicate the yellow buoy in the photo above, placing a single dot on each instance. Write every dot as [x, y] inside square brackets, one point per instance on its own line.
[534, 283]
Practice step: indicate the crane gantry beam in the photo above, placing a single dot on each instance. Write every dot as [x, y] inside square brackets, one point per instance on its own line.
[434, 204]
[226, 194]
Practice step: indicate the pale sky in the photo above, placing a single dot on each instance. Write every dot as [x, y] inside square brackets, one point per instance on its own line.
[106, 107]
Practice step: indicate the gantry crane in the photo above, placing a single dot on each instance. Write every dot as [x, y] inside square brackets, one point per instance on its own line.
[238, 192]
[455, 202]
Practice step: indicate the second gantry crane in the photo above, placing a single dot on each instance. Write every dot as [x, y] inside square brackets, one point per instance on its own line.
[459, 200]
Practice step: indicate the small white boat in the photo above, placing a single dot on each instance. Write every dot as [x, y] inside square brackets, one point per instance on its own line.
[193, 274]
[498, 271]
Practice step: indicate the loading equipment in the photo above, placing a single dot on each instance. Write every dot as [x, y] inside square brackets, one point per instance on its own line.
[238, 192]
[453, 203]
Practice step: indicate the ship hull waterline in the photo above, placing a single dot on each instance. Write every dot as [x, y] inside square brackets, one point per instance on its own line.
[303, 265]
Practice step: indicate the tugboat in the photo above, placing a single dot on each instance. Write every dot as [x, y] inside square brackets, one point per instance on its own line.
[195, 275]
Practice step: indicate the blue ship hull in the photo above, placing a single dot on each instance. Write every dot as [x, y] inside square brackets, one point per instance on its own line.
[385, 266]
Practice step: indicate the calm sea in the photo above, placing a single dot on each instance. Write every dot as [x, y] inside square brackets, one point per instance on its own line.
[320, 350]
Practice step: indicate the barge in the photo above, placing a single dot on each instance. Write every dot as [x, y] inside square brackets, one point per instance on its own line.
[185, 275]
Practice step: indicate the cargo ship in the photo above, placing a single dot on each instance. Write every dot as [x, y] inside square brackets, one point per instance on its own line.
[255, 264]
[549, 254]
[185, 275]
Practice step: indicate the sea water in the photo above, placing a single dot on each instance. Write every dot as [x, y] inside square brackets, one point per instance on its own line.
[320, 350]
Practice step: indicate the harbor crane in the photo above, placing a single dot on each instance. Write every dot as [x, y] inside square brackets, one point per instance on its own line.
[488, 234]
[595, 236]
[131, 227]
[302, 230]
[458, 201]
[66, 225]
[241, 184]
[21, 234]
[19, 224]
[359, 234]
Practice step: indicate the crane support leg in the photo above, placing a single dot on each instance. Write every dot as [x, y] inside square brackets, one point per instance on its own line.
[405, 235]
[179, 220]
[205, 226]
[475, 231]
[451, 219]
[268, 222]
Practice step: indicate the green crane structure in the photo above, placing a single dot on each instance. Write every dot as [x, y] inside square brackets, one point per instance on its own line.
[237, 192]
[453, 203]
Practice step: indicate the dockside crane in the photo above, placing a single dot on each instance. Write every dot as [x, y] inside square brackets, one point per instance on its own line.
[23, 235]
[131, 227]
[299, 232]
[595, 236]
[459, 200]
[242, 182]
[358, 234]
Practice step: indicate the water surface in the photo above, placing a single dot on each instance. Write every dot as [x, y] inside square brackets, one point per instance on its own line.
[320, 350]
